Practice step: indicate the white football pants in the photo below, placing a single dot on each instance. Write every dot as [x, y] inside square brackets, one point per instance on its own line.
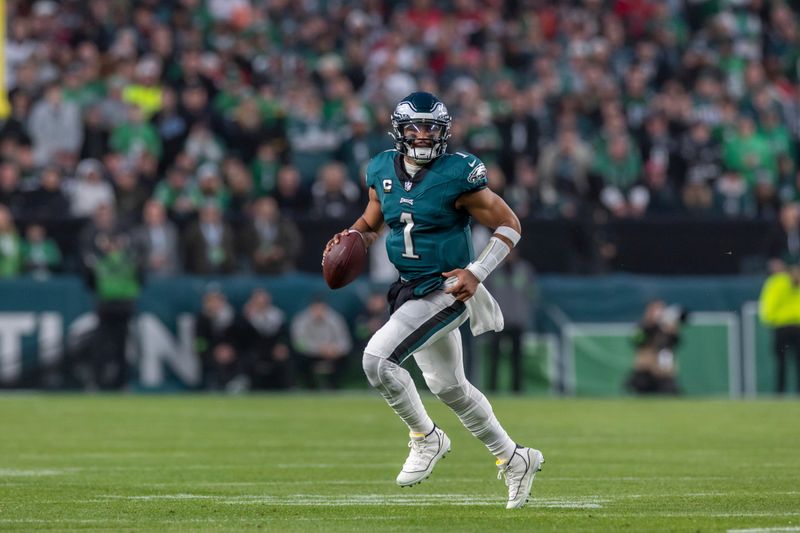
[427, 328]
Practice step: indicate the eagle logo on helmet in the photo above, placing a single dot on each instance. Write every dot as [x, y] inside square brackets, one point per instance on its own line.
[417, 112]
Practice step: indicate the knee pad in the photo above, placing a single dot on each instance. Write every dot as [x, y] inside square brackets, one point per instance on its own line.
[380, 372]
[370, 364]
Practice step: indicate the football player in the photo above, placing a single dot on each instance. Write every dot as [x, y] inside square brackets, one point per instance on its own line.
[427, 197]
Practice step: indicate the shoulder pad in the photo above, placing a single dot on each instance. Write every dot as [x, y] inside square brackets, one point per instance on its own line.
[383, 158]
[465, 166]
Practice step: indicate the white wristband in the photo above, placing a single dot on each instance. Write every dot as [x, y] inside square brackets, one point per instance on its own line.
[490, 257]
[509, 233]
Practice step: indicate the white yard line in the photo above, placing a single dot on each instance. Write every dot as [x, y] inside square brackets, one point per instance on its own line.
[640, 478]
[281, 483]
[138, 523]
[335, 465]
[60, 520]
[149, 497]
[778, 529]
[419, 500]
[35, 472]
[704, 494]
[705, 514]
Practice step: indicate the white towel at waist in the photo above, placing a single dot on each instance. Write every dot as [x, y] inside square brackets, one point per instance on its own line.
[484, 311]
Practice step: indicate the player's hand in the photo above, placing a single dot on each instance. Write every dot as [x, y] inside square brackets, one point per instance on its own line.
[334, 240]
[461, 283]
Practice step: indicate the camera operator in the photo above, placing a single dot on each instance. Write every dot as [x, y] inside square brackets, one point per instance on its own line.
[112, 268]
[655, 368]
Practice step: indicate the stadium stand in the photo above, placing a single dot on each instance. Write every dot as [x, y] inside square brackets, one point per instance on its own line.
[620, 131]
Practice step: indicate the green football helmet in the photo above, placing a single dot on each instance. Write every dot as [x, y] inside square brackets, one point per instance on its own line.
[421, 114]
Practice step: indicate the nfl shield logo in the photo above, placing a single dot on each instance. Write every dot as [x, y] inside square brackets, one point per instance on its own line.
[407, 185]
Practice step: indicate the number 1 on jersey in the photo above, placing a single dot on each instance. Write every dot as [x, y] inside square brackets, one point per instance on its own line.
[406, 219]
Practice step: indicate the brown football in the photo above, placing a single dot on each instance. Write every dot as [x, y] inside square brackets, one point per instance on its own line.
[345, 261]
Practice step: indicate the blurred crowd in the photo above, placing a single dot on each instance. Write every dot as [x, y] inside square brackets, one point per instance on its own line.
[257, 347]
[193, 133]
[252, 344]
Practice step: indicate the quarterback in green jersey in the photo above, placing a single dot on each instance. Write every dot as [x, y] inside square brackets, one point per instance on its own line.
[427, 197]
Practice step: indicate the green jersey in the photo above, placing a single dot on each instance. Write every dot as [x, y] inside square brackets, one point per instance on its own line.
[428, 235]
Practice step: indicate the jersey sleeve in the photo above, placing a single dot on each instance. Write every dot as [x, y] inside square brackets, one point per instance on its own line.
[369, 174]
[473, 174]
[372, 175]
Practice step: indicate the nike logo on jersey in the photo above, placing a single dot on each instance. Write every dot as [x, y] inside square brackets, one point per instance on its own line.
[472, 164]
[409, 201]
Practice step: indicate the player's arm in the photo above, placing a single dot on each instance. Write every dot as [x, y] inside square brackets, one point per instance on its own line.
[369, 224]
[493, 212]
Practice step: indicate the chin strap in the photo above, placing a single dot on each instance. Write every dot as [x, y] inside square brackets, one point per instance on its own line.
[494, 253]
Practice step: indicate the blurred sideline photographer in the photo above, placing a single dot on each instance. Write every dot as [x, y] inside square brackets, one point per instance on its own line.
[779, 308]
[114, 274]
[655, 368]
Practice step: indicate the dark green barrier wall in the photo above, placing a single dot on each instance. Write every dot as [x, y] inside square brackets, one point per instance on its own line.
[37, 318]
[581, 343]
[725, 350]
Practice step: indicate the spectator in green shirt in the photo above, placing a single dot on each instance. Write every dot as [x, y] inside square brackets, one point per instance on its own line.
[40, 254]
[618, 166]
[175, 194]
[209, 188]
[265, 168]
[10, 253]
[135, 135]
[750, 154]
[115, 277]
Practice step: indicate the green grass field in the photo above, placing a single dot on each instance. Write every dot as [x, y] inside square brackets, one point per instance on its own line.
[328, 462]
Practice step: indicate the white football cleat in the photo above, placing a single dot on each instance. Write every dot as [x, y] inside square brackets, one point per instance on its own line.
[425, 453]
[519, 472]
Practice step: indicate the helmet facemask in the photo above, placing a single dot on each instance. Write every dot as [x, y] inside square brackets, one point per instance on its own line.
[422, 140]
